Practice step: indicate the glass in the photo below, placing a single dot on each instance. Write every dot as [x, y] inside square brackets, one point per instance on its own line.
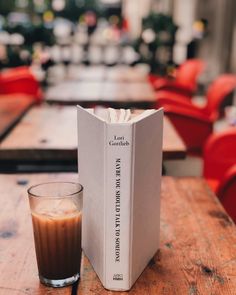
[56, 210]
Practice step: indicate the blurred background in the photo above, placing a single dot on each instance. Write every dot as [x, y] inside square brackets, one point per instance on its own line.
[55, 34]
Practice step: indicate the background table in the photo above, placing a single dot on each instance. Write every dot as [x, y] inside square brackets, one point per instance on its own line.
[118, 73]
[48, 135]
[113, 94]
[197, 250]
[12, 108]
[173, 145]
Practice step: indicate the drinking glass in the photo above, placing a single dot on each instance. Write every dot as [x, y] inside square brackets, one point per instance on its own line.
[56, 210]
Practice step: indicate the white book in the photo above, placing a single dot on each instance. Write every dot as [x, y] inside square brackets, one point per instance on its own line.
[120, 161]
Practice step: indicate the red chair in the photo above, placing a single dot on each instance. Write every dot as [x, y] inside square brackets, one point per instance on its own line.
[185, 82]
[20, 81]
[219, 155]
[227, 192]
[193, 127]
[216, 93]
[195, 123]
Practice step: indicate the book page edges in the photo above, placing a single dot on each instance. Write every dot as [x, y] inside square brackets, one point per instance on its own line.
[131, 208]
[110, 115]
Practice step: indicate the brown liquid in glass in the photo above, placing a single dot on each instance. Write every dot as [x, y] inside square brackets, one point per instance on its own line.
[58, 244]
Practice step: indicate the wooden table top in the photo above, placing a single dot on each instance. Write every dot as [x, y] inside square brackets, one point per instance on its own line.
[45, 133]
[118, 73]
[173, 145]
[124, 73]
[197, 249]
[118, 94]
[50, 133]
[12, 108]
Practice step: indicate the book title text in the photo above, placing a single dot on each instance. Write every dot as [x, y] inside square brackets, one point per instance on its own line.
[117, 210]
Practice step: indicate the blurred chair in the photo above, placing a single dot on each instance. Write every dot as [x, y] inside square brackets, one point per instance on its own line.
[193, 127]
[227, 192]
[195, 123]
[219, 155]
[216, 93]
[185, 82]
[20, 80]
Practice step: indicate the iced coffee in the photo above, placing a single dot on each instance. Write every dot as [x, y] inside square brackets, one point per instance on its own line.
[57, 220]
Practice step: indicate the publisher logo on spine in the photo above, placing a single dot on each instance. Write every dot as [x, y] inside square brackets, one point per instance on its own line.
[118, 277]
[118, 141]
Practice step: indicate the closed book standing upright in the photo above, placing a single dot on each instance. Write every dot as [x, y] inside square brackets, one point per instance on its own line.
[120, 160]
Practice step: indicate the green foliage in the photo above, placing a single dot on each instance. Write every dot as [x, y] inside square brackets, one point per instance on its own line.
[163, 30]
[32, 33]
[159, 22]
[6, 6]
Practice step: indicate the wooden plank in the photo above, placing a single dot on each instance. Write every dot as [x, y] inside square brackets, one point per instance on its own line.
[197, 251]
[12, 108]
[19, 274]
[173, 145]
[50, 133]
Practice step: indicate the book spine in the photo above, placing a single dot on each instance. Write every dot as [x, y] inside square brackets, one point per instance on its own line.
[118, 171]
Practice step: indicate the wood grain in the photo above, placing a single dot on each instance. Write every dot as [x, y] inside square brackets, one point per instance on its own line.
[18, 267]
[12, 108]
[197, 253]
[50, 133]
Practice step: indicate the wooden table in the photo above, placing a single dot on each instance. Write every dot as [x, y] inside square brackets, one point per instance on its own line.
[12, 108]
[122, 73]
[48, 134]
[173, 145]
[197, 252]
[118, 73]
[87, 73]
[46, 137]
[113, 94]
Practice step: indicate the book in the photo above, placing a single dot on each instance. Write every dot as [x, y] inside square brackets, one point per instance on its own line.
[120, 162]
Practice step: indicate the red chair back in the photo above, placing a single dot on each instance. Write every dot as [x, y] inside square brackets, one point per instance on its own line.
[217, 92]
[227, 192]
[152, 78]
[219, 154]
[21, 81]
[188, 73]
